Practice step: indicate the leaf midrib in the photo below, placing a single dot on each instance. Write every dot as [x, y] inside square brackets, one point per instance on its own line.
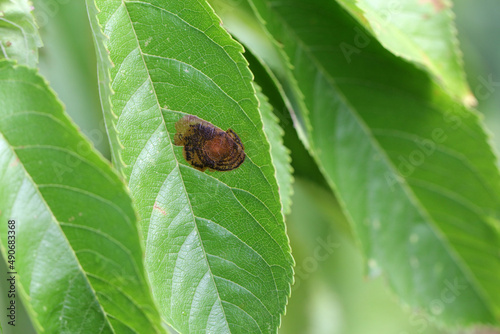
[150, 81]
[177, 164]
[204, 33]
[441, 148]
[176, 167]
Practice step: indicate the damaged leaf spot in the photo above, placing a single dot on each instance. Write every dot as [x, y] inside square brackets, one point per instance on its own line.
[439, 5]
[207, 146]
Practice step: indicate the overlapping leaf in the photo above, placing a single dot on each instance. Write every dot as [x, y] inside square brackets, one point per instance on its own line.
[422, 31]
[78, 257]
[412, 168]
[19, 37]
[216, 250]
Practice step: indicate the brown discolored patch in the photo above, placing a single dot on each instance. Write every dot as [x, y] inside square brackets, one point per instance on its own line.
[207, 146]
[15, 162]
[439, 5]
[157, 207]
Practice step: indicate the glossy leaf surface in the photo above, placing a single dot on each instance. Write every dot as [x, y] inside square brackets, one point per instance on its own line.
[216, 250]
[78, 255]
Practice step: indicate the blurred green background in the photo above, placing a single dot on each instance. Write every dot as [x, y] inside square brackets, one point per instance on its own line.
[332, 292]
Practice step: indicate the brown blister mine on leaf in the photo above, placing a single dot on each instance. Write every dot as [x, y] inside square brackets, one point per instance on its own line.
[207, 146]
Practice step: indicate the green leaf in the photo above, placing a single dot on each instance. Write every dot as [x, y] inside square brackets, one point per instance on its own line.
[78, 254]
[353, 9]
[411, 167]
[421, 31]
[104, 66]
[240, 21]
[279, 153]
[19, 37]
[216, 249]
[334, 296]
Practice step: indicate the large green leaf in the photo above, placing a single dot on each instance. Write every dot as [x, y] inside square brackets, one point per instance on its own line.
[411, 167]
[78, 254]
[216, 249]
[19, 37]
[422, 31]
